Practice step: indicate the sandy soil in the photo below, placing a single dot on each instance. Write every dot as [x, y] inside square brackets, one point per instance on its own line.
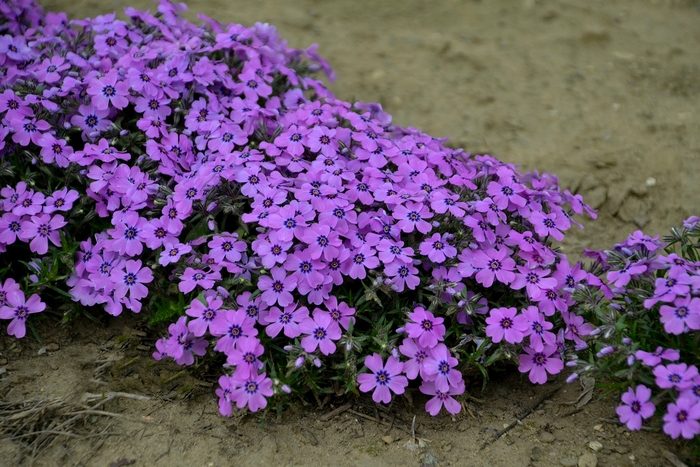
[604, 94]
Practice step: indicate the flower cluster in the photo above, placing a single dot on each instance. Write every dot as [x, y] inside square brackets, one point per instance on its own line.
[648, 309]
[206, 177]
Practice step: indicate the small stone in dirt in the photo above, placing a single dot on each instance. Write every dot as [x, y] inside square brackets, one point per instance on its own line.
[546, 437]
[388, 439]
[595, 445]
[52, 347]
[464, 426]
[536, 454]
[621, 449]
[569, 461]
[42, 351]
[588, 460]
[598, 427]
[428, 460]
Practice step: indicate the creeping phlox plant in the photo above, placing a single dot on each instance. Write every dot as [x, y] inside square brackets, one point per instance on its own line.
[649, 327]
[203, 175]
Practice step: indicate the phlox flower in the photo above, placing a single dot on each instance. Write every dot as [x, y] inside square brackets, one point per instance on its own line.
[636, 407]
[425, 327]
[341, 313]
[127, 234]
[622, 277]
[575, 328]
[129, 278]
[108, 91]
[437, 248]
[245, 357]
[55, 150]
[393, 251]
[40, 229]
[503, 324]
[192, 278]
[675, 375]
[172, 252]
[548, 224]
[278, 288]
[28, 130]
[231, 326]
[440, 367]
[61, 200]
[533, 280]
[304, 268]
[18, 309]
[505, 192]
[250, 391]
[226, 247]
[320, 332]
[9, 286]
[540, 363]
[364, 257]
[287, 223]
[682, 418]
[384, 378]
[30, 204]
[182, 344]
[682, 316]
[652, 359]
[293, 140]
[493, 264]
[322, 241]
[434, 404]
[537, 328]
[417, 356]
[10, 228]
[402, 275]
[287, 320]
[203, 314]
[413, 217]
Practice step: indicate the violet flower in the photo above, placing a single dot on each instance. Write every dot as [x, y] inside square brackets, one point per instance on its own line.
[384, 378]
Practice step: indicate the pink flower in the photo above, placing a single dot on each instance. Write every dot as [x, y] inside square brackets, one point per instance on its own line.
[130, 278]
[107, 90]
[682, 316]
[278, 288]
[493, 264]
[251, 391]
[437, 248]
[402, 275]
[440, 367]
[231, 326]
[502, 323]
[204, 314]
[434, 405]
[682, 418]
[40, 229]
[425, 327]
[245, 357]
[287, 320]
[192, 278]
[18, 310]
[636, 407]
[384, 378]
[678, 375]
[340, 313]
[413, 217]
[540, 363]
[361, 258]
[320, 332]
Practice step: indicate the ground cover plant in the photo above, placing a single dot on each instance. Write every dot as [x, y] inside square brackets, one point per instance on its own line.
[204, 177]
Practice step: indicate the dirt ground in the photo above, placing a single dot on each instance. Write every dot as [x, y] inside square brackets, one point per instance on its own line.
[604, 94]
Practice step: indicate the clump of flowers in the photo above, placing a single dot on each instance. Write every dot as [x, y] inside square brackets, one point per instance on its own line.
[647, 307]
[203, 176]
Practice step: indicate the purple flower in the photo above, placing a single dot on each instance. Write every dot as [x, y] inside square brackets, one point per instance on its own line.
[412, 217]
[107, 90]
[231, 325]
[384, 378]
[40, 229]
[251, 391]
[127, 234]
[305, 269]
[182, 344]
[437, 248]
[288, 320]
[575, 328]
[278, 288]
[537, 328]
[636, 407]
[341, 313]
[417, 356]
[9, 286]
[540, 363]
[18, 310]
[622, 277]
[204, 314]
[434, 404]
[502, 323]
[654, 358]
[683, 316]
[548, 224]
[402, 275]
[533, 280]
[245, 357]
[192, 278]
[172, 252]
[130, 278]
[425, 327]
[505, 193]
[361, 258]
[682, 418]
[675, 375]
[493, 264]
[320, 332]
[440, 367]
[61, 200]
[10, 228]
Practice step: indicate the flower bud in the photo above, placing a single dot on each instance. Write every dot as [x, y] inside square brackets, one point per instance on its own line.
[286, 389]
[572, 377]
[395, 353]
[435, 224]
[595, 332]
[461, 303]
[400, 330]
[605, 351]
[288, 348]
[630, 360]
[67, 125]
[627, 341]
[299, 361]
[123, 132]
[317, 362]
[571, 363]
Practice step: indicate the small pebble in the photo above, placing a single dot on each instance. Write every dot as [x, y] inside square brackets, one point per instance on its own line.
[42, 351]
[595, 445]
[546, 437]
[569, 461]
[588, 460]
[388, 439]
[52, 347]
[651, 181]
